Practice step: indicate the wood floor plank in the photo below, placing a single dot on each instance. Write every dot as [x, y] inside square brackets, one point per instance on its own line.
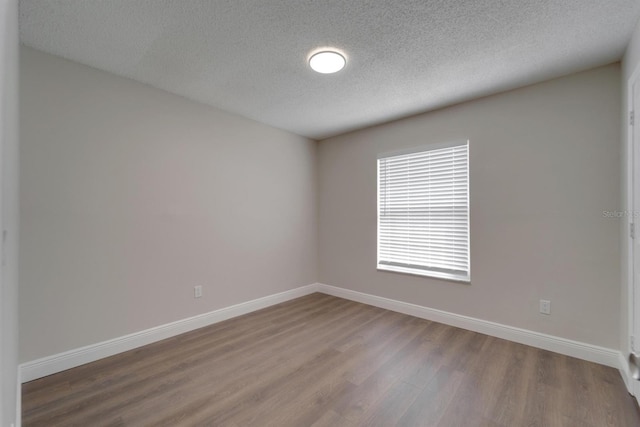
[430, 406]
[360, 399]
[478, 394]
[390, 408]
[511, 399]
[331, 419]
[324, 361]
[251, 376]
[294, 389]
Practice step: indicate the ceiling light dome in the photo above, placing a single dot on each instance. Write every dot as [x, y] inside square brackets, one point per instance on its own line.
[327, 62]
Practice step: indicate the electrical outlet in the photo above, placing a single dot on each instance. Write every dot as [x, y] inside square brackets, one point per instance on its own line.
[197, 291]
[545, 306]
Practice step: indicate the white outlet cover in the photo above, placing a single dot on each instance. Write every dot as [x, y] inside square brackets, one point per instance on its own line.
[545, 306]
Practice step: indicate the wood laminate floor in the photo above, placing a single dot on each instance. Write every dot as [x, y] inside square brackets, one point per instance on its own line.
[325, 361]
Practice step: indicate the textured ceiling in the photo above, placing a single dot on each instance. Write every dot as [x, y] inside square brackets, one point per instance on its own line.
[404, 56]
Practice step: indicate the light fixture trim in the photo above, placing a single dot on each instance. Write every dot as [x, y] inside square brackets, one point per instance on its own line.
[327, 61]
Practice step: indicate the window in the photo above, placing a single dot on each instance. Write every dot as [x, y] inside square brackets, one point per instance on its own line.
[423, 211]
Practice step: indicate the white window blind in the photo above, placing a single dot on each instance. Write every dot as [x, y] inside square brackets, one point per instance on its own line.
[423, 212]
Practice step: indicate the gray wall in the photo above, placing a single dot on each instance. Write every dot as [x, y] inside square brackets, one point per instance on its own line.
[132, 196]
[9, 215]
[544, 165]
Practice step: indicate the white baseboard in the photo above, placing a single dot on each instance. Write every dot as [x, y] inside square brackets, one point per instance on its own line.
[59, 362]
[580, 350]
[70, 359]
[624, 372]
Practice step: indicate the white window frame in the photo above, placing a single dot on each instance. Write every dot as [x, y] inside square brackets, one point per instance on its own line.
[424, 270]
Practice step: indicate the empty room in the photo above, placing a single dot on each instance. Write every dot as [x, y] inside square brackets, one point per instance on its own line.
[306, 213]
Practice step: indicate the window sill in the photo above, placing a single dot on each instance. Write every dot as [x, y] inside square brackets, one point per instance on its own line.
[431, 274]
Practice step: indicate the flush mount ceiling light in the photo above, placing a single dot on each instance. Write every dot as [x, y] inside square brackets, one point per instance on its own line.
[327, 62]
